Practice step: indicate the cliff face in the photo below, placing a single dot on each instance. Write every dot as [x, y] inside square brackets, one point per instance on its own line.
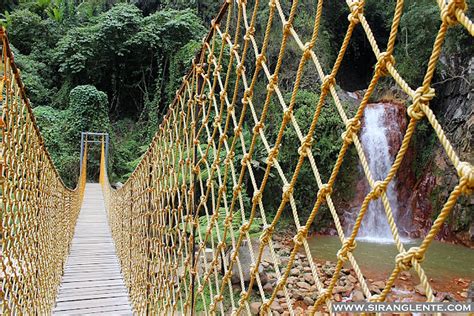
[453, 107]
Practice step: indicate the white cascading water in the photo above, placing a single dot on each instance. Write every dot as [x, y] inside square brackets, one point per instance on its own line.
[375, 225]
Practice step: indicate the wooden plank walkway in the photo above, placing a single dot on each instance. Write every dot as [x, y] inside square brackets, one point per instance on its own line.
[92, 283]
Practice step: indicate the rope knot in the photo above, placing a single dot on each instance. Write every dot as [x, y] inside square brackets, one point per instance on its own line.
[265, 307]
[272, 83]
[324, 191]
[236, 190]
[250, 32]
[357, 7]
[305, 145]
[287, 28]
[258, 127]
[379, 188]
[245, 227]
[237, 131]
[466, 175]
[448, 14]
[245, 159]
[272, 156]
[223, 95]
[404, 260]
[384, 60]
[240, 70]
[325, 295]
[287, 192]
[352, 126]
[257, 197]
[300, 237]
[328, 81]
[422, 96]
[287, 115]
[349, 246]
[243, 297]
[266, 235]
[307, 50]
[260, 60]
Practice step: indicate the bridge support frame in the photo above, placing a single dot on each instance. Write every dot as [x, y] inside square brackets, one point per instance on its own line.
[85, 139]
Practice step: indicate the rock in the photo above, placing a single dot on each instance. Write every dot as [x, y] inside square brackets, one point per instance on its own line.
[420, 289]
[280, 294]
[357, 296]
[308, 277]
[338, 297]
[308, 301]
[295, 271]
[268, 287]
[379, 284]
[374, 289]
[351, 279]
[405, 274]
[297, 295]
[276, 307]
[337, 289]
[246, 263]
[303, 285]
[291, 280]
[255, 307]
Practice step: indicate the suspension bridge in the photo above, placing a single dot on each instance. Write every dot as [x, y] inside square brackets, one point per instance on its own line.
[171, 240]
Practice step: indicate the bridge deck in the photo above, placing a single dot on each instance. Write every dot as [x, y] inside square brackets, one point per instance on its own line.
[92, 282]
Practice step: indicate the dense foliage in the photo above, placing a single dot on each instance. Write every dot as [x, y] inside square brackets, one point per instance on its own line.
[103, 65]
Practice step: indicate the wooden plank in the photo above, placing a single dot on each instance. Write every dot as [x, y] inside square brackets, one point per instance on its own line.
[92, 282]
[108, 310]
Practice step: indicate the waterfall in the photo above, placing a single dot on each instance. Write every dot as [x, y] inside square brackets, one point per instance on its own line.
[374, 139]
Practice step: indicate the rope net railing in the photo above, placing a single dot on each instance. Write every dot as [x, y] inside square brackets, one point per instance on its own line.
[181, 222]
[38, 212]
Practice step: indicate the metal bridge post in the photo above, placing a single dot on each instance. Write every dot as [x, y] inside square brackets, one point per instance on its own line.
[82, 151]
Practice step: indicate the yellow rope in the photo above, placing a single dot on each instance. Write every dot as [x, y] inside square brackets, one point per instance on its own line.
[38, 211]
[194, 161]
[180, 222]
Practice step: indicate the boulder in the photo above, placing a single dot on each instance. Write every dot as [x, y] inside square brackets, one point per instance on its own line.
[246, 263]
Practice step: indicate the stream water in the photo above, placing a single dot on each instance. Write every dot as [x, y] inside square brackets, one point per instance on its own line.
[443, 261]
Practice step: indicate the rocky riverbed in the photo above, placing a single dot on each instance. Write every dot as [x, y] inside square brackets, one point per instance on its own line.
[303, 292]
